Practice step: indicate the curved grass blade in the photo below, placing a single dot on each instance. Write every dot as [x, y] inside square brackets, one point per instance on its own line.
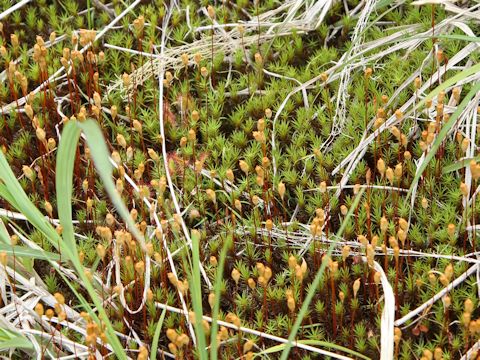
[13, 193]
[444, 131]
[64, 178]
[100, 154]
[29, 253]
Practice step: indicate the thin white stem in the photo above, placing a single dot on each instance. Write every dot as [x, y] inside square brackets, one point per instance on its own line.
[13, 8]
[438, 295]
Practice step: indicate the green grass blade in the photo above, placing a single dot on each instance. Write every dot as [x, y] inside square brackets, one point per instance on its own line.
[64, 180]
[22, 251]
[89, 14]
[4, 236]
[64, 177]
[10, 340]
[100, 155]
[196, 294]
[459, 164]
[443, 133]
[216, 306]
[13, 193]
[316, 282]
[459, 37]
[450, 82]
[156, 336]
